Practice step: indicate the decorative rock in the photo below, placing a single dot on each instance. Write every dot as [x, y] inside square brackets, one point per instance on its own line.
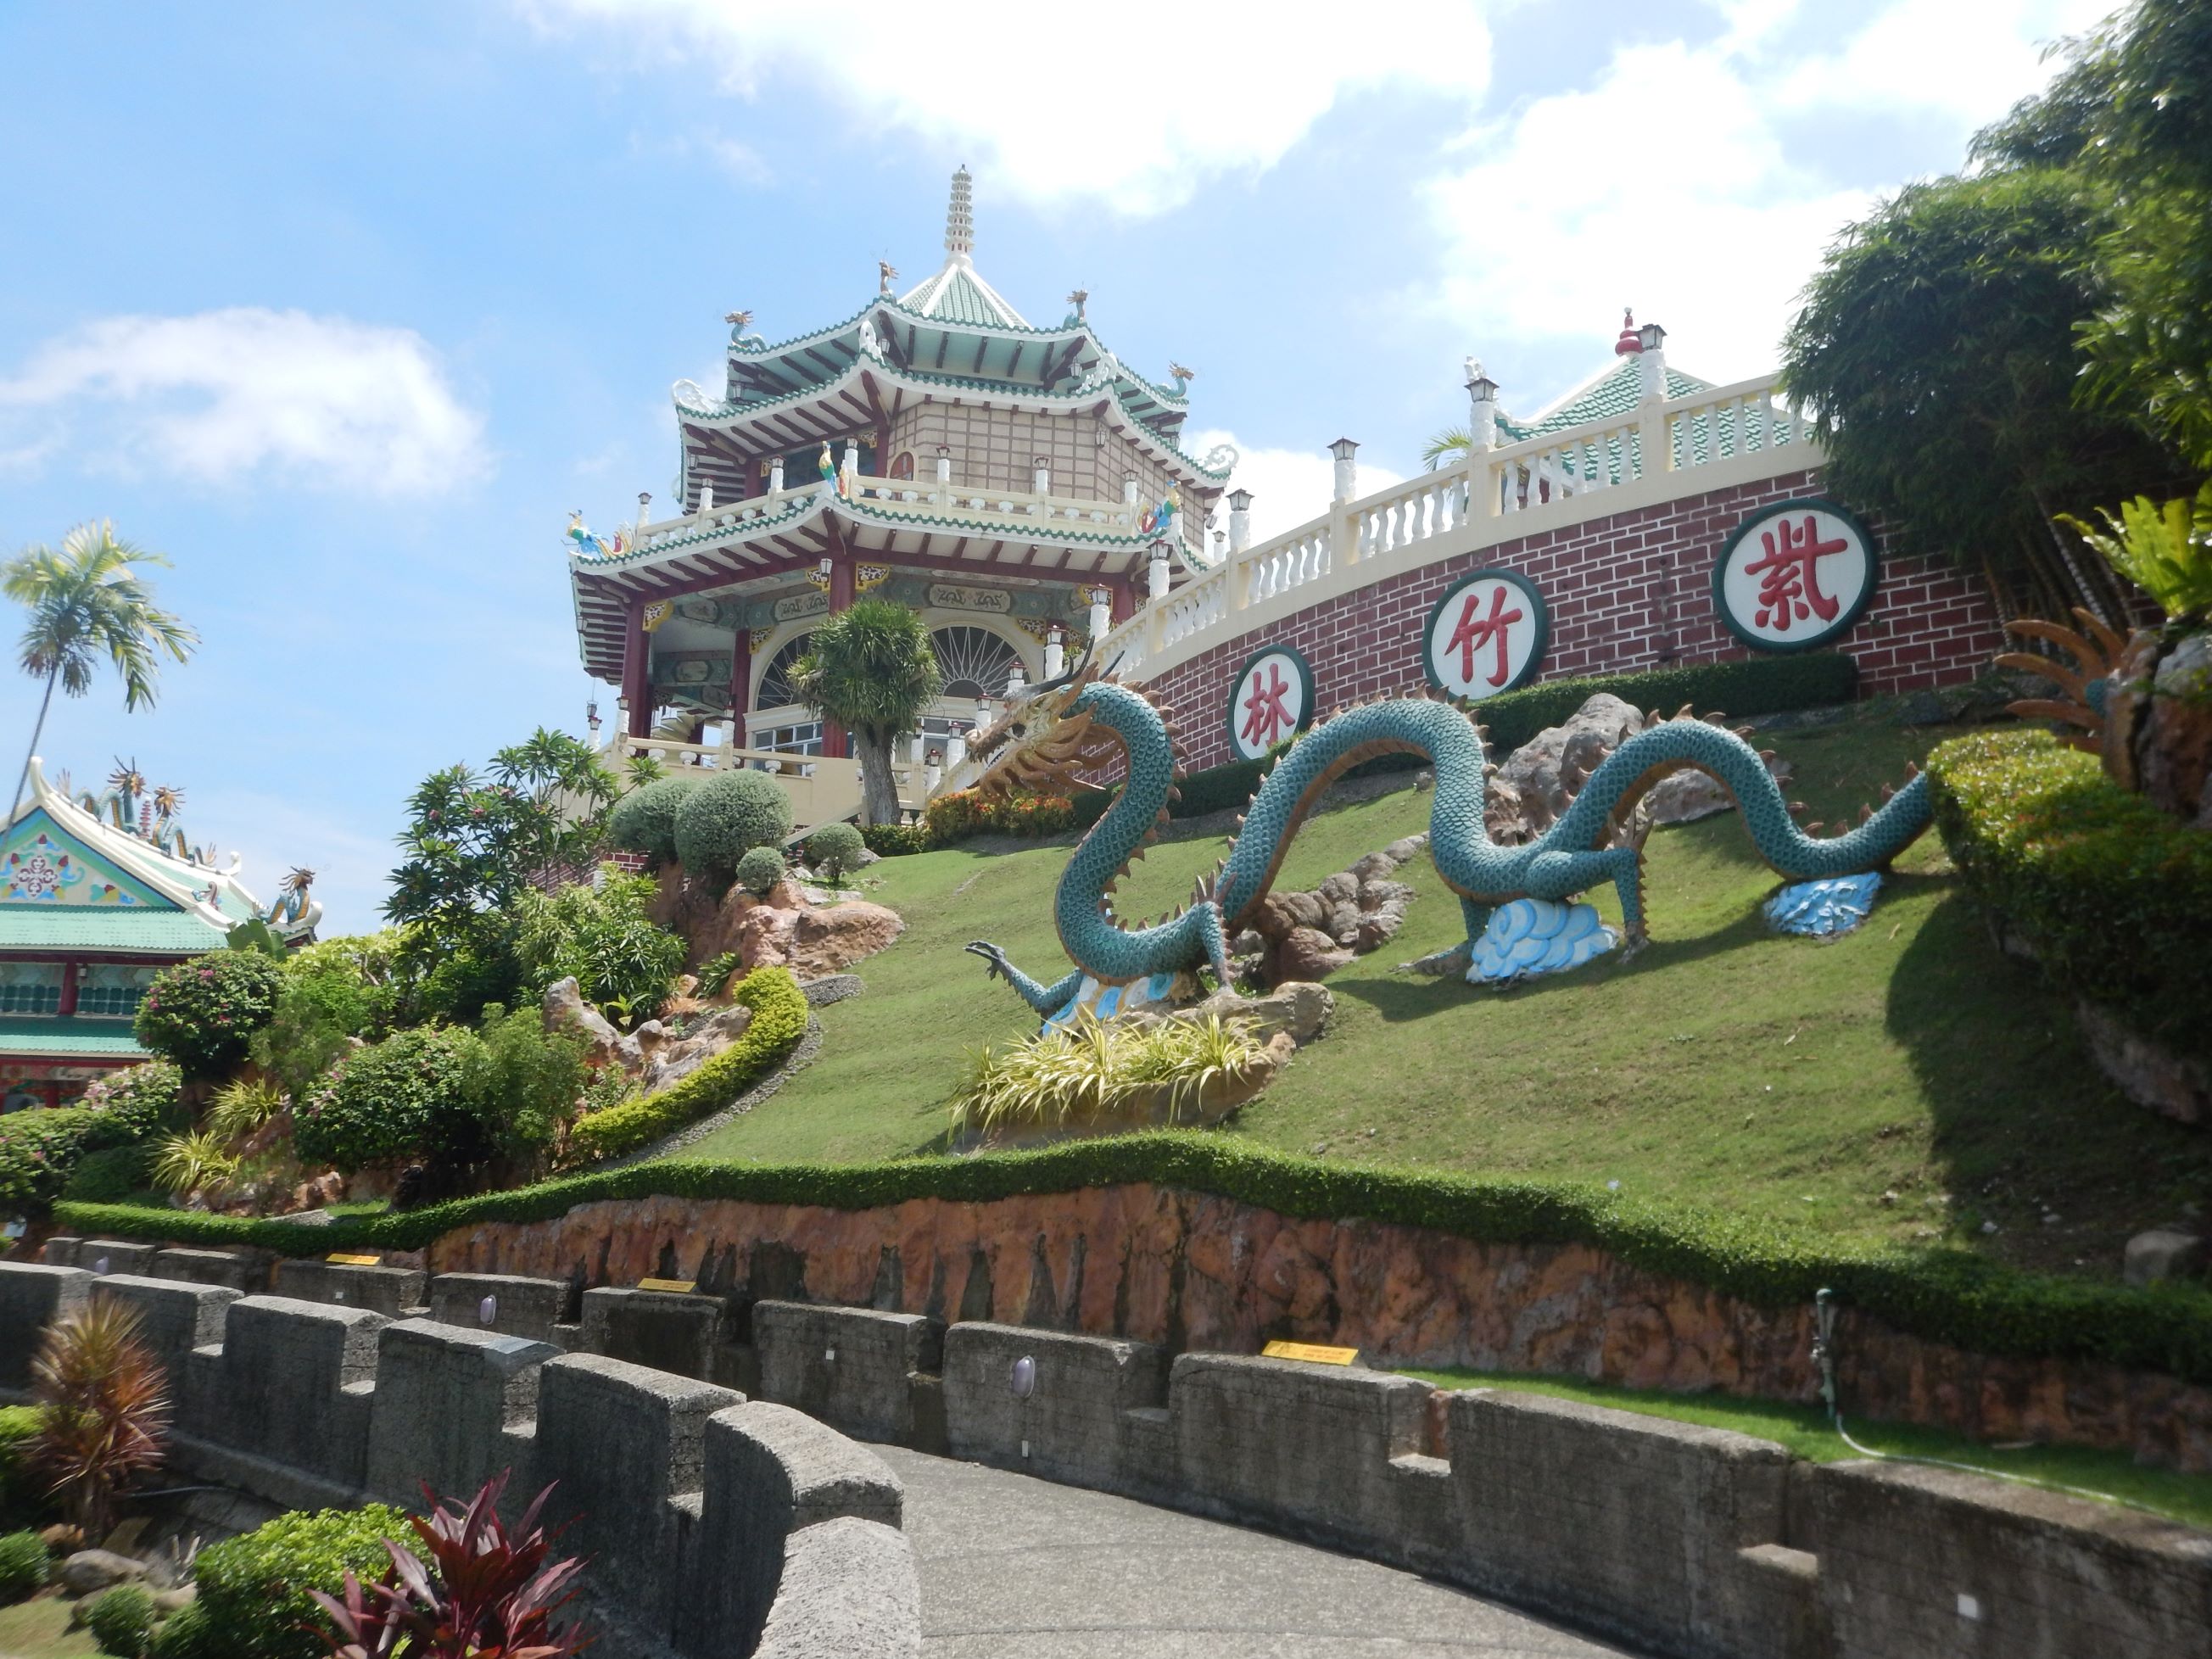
[566, 1009]
[1308, 953]
[175, 1601]
[763, 936]
[678, 1057]
[2149, 1074]
[2163, 1253]
[1299, 1007]
[91, 1570]
[834, 937]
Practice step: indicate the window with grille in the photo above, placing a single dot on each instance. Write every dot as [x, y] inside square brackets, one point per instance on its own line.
[107, 992]
[776, 691]
[976, 662]
[31, 987]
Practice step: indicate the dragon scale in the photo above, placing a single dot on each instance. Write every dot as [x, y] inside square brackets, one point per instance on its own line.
[1568, 859]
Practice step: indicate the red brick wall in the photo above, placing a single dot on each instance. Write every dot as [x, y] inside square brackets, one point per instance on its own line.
[1629, 592]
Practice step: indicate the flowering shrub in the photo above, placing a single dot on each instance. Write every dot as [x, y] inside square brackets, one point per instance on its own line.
[142, 1101]
[409, 1096]
[892, 841]
[39, 1151]
[967, 812]
[200, 1013]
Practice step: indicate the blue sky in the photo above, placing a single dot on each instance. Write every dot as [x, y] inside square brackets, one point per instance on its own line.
[345, 306]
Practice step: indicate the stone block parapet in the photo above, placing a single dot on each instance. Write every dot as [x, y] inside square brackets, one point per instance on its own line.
[855, 1368]
[395, 1292]
[688, 1498]
[1087, 1410]
[513, 1305]
[245, 1272]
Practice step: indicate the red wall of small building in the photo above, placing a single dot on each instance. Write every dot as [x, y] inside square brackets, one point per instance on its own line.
[1630, 591]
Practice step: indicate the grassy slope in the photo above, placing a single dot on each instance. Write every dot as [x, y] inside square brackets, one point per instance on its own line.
[1771, 1076]
[39, 1629]
[1806, 1430]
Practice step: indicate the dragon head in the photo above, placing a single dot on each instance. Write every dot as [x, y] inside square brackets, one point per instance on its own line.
[1044, 741]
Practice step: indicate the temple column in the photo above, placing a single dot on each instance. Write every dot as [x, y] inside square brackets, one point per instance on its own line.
[637, 672]
[741, 685]
[1124, 589]
[70, 971]
[834, 740]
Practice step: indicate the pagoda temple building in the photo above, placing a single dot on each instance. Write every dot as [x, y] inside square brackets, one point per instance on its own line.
[1021, 487]
[98, 893]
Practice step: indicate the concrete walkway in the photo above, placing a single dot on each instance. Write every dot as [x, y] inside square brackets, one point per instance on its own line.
[1017, 1568]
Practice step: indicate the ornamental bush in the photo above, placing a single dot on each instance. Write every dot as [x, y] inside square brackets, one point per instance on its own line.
[121, 1619]
[835, 850]
[112, 1175]
[644, 820]
[2114, 894]
[965, 813]
[23, 1565]
[407, 1097]
[253, 1591]
[200, 1013]
[24, 1501]
[40, 1149]
[779, 1021]
[727, 816]
[602, 936]
[142, 1101]
[891, 841]
[760, 870]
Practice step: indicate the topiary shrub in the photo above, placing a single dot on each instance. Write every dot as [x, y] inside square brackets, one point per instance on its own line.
[727, 816]
[407, 1097]
[185, 1635]
[760, 870]
[2114, 894]
[835, 850]
[23, 1565]
[201, 1014]
[121, 1619]
[644, 820]
[254, 1601]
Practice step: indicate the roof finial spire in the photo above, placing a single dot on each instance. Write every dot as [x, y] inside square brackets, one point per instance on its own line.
[960, 217]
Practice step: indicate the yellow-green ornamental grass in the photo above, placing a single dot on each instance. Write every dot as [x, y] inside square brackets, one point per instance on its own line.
[1097, 1069]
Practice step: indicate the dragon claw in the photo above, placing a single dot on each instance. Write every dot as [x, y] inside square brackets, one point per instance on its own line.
[994, 959]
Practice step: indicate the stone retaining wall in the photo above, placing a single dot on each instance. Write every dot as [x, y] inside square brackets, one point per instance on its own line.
[1188, 1271]
[1679, 1539]
[718, 1530]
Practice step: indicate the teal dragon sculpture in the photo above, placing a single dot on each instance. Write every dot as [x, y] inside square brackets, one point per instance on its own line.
[1080, 724]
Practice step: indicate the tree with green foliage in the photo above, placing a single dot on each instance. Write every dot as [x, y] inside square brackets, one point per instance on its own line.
[872, 669]
[644, 820]
[620, 958]
[725, 818]
[835, 850]
[86, 602]
[1937, 354]
[474, 845]
[759, 871]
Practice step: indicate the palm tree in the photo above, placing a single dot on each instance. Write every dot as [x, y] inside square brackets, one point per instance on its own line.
[1446, 448]
[871, 669]
[86, 600]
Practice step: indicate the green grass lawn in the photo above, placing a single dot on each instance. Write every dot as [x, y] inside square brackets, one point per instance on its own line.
[39, 1629]
[1806, 1430]
[1906, 1083]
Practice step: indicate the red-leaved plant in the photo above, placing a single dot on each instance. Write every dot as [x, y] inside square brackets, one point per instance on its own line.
[485, 1593]
[104, 1405]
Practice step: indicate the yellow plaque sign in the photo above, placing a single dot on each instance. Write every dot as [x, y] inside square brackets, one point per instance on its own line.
[1312, 1352]
[342, 1260]
[679, 1286]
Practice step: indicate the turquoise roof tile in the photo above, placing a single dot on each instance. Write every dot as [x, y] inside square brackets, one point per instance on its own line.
[33, 1034]
[89, 927]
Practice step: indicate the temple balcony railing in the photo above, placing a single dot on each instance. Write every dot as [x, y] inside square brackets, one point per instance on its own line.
[1662, 449]
[1014, 509]
[822, 788]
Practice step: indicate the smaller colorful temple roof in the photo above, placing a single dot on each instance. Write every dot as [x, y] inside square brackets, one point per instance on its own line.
[114, 873]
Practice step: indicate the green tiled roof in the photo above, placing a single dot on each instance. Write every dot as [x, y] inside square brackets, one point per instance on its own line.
[1612, 393]
[91, 927]
[956, 294]
[33, 1034]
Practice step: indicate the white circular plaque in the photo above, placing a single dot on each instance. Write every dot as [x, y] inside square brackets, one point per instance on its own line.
[1270, 701]
[1485, 635]
[1795, 575]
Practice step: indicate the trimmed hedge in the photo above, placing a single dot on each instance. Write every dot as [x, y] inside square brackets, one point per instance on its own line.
[41, 1148]
[24, 1565]
[2115, 895]
[22, 1494]
[779, 1021]
[1942, 1295]
[892, 841]
[1764, 686]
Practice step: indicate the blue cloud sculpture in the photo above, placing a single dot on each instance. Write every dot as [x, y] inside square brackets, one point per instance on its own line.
[1823, 910]
[1537, 936]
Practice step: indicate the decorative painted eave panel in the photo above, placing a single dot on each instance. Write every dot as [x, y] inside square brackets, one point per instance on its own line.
[834, 408]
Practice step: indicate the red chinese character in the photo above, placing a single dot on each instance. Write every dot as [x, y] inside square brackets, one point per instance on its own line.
[1264, 714]
[1475, 632]
[1789, 578]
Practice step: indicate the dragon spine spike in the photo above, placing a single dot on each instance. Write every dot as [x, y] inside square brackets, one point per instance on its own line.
[1744, 731]
[1767, 755]
[1888, 790]
[1796, 807]
[1912, 770]
[1816, 826]
[1683, 712]
[1865, 812]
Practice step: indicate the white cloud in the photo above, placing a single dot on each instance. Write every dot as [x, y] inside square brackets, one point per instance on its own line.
[1676, 181]
[1290, 487]
[1134, 108]
[222, 394]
